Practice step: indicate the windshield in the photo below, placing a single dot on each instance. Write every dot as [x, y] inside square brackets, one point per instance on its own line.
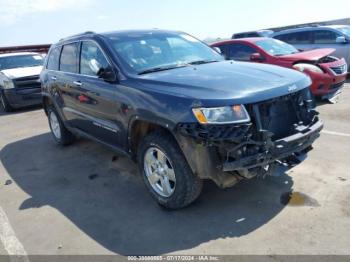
[10, 62]
[345, 30]
[156, 51]
[276, 47]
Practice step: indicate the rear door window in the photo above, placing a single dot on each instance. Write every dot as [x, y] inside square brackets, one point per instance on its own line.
[69, 58]
[53, 59]
[304, 37]
[325, 37]
[239, 52]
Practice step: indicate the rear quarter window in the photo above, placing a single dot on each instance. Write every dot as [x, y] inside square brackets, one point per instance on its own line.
[53, 59]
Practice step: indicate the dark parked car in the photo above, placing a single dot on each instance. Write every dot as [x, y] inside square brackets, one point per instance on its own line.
[175, 106]
[19, 80]
[308, 38]
[258, 33]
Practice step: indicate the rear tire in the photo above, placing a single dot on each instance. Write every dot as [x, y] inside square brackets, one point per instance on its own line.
[4, 104]
[60, 133]
[172, 183]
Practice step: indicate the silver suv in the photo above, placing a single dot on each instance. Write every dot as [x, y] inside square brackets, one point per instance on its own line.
[333, 36]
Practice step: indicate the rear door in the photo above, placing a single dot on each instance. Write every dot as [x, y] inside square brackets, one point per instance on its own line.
[96, 98]
[67, 79]
[48, 76]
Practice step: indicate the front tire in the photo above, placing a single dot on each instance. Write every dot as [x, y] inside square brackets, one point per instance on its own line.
[60, 133]
[166, 172]
[4, 104]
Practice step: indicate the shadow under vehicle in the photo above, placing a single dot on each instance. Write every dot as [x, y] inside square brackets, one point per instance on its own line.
[105, 198]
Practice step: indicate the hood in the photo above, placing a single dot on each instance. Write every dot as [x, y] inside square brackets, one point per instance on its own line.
[312, 55]
[22, 71]
[239, 81]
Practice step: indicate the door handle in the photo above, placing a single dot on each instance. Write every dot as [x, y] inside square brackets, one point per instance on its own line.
[77, 83]
[53, 78]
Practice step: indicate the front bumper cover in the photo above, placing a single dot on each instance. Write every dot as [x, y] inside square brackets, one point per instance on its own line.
[209, 153]
[279, 149]
[23, 97]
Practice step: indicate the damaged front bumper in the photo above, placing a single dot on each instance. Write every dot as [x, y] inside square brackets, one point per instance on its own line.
[278, 150]
[278, 135]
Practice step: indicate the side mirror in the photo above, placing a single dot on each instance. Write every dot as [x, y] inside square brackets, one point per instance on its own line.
[341, 40]
[217, 49]
[107, 74]
[256, 57]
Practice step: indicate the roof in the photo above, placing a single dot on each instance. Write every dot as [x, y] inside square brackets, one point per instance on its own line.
[118, 33]
[308, 28]
[248, 39]
[255, 31]
[336, 26]
[18, 54]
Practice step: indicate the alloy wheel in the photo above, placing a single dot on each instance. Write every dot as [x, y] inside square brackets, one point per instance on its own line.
[55, 125]
[159, 172]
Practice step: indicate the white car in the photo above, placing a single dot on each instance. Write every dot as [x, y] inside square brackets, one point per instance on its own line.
[19, 80]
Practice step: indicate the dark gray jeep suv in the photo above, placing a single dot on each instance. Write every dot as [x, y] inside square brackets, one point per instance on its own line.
[177, 108]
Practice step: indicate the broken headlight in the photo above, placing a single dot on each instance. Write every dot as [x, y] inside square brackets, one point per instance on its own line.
[302, 67]
[221, 115]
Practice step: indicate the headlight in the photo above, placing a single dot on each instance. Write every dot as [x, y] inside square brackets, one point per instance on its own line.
[221, 115]
[8, 84]
[302, 67]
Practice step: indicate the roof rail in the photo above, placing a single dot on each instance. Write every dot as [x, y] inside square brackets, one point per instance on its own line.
[80, 34]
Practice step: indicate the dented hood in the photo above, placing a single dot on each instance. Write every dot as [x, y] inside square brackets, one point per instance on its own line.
[312, 55]
[22, 72]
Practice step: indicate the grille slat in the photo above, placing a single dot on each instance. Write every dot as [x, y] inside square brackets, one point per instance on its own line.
[339, 70]
[27, 82]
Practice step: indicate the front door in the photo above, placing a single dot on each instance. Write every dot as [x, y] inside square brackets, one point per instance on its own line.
[96, 99]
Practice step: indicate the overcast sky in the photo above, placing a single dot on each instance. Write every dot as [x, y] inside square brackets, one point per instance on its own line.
[46, 21]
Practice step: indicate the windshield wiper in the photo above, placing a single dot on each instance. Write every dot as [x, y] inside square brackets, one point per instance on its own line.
[163, 68]
[199, 62]
[159, 68]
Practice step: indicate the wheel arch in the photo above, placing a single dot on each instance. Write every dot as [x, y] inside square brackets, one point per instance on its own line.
[140, 127]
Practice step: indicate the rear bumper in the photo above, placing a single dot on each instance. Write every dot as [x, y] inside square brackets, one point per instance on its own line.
[23, 97]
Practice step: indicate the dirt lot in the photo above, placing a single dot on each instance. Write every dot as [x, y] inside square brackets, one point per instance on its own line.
[84, 200]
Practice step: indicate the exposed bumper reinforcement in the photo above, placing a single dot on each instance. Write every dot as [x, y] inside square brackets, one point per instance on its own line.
[281, 149]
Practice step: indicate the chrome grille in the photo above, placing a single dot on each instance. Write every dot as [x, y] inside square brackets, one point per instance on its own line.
[338, 70]
[27, 82]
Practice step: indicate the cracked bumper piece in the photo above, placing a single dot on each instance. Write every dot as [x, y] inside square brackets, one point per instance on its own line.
[228, 154]
[279, 149]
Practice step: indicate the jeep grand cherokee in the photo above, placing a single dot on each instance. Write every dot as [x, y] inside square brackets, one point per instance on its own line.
[176, 107]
